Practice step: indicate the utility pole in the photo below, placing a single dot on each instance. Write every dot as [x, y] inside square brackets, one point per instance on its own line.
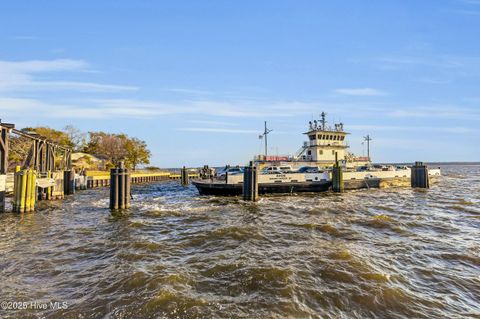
[368, 139]
[264, 135]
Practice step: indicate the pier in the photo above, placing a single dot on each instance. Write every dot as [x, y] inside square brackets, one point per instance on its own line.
[47, 174]
[41, 175]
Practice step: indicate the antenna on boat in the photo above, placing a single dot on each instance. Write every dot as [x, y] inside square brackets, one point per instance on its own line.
[265, 133]
[323, 120]
[368, 139]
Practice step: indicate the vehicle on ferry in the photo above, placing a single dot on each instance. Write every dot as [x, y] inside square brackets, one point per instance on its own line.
[277, 169]
[230, 171]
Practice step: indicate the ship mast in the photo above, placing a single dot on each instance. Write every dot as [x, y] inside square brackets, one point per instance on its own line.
[264, 135]
[368, 139]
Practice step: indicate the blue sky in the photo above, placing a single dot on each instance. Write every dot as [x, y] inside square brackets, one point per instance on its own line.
[196, 79]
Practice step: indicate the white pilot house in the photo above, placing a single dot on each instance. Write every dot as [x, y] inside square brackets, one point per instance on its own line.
[325, 141]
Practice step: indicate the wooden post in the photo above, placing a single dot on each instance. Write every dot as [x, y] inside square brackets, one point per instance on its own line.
[16, 189]
[3, 182]
[68, 174]
[419, 176]
[69, 182]
[4, 141]
[114, 188]
[127, 183]
[24, 190]
[119, 188]
[337, 177]
[250, 183]
[33, 189]
[184, 177]
[28, 190]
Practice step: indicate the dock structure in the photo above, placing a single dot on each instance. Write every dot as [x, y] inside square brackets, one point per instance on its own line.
[419, 176]
[40, 176]
[102, 179]
[250, 183]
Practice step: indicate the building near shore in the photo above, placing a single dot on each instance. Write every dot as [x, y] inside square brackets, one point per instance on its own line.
[87, 161]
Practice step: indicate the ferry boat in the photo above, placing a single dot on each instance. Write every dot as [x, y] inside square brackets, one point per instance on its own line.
[326, 146]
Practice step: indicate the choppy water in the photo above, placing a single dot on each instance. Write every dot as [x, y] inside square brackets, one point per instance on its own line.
[392, 253]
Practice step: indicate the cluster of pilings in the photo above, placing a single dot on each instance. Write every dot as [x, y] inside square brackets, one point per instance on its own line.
[250, 183]
[24, 190]
[419, 176]
[120, 182]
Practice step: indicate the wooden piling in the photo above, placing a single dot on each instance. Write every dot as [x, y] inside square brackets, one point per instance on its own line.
[69, 182]
[48, 190]
[419, 176]
[184, 177]
[24, 190]
[250, 183]
[120, 184]
[33, 189]
[5, 130]
[337, 177]
[3, 187]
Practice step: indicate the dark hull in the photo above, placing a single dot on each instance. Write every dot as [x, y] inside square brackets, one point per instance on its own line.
[222, 189]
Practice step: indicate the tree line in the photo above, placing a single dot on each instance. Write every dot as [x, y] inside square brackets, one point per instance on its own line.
[110, 147]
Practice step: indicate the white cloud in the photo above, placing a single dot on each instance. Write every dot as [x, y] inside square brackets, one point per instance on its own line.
[110, 108]
[474, 2]
[21, 76]
[34, 66]
[442, 129]
[360, 92]
[216, 108]
[436, 112]
[73, 85]
[217, 130]
[208, 122]
[190, 91]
